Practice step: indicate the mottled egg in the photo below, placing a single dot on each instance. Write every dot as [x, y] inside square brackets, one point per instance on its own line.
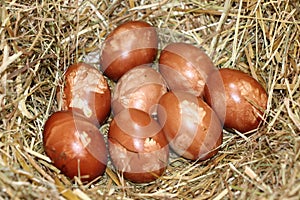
[75, 145]
[86, 91]
[140, 88]
[185, 67]
[131, 44]
[238, 99]
[191, 127]
[137, 146]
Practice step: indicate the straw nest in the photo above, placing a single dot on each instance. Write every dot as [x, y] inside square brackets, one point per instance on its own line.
[40, 39]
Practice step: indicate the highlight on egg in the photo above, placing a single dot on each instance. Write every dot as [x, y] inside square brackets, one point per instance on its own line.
[75, 145]
[137, 146]
[185, 67]
[86, 91]
[238, 99]
[140, 88]
[191, 127]
[131, 44]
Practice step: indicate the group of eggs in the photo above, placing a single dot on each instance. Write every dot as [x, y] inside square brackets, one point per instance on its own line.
[183, 105]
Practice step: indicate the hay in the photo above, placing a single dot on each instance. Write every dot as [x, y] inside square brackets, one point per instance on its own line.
[40, 39]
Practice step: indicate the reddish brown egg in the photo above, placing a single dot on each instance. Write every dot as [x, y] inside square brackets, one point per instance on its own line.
[140, 88]
[86, 91]
[75, 145]
[137, 146]
[129, 45]
[190, 125]
[237, 98]
[185, 67]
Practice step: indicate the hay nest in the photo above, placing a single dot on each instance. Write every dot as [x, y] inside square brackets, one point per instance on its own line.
[40, 39]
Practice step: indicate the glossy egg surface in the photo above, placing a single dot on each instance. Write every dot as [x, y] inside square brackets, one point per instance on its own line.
[131, 44]
[185, 67]
[140, 88]
[137, 146]
[191, 127]
[75, 145]
[86, 91]
[243, 98]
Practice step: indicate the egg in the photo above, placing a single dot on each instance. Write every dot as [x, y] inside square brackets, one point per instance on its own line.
[75, 145]
[85, 90]
[185, 67]
[131, 44]
[140, 88]
[238, 99]
[137, 146]
[191, 127]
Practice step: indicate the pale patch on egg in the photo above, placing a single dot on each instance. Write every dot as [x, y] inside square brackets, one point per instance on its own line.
[151, 145]
[84, 138]
[149, 34]
[87, 80]
[181, 143]
[119, 155]
[124, 100]
[192, 113]
[192, 117]
[155, 160]
[252, 94]
[200, 87]
[246, 89]
[118, 43]
[138, 162]
[254, 97]
[82, 104]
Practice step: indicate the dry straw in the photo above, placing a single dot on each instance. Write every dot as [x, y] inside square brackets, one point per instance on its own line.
[40, 39]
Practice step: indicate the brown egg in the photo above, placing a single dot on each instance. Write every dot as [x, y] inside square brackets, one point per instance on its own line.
[185, 67]
[129, 45]
[190, 125]
[137, 146]
[86, 91]
[237, 98]
[140, 88]
[75, 145]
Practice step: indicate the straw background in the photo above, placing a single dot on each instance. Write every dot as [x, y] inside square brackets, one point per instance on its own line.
[39, 39]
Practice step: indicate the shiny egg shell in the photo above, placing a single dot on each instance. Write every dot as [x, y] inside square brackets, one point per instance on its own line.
[75, 145]
[185, 67]
[86, 91]
[131, 44]
[140, 88]
[137, 146]
[191, 127]
[238, 99]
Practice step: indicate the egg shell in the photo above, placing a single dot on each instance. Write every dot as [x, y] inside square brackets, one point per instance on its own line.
[191, 127]
[131, 44]
[137, 146]
[86, 91]
[75, 145]
[140, 88]
[237, 98]
[185, 67]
